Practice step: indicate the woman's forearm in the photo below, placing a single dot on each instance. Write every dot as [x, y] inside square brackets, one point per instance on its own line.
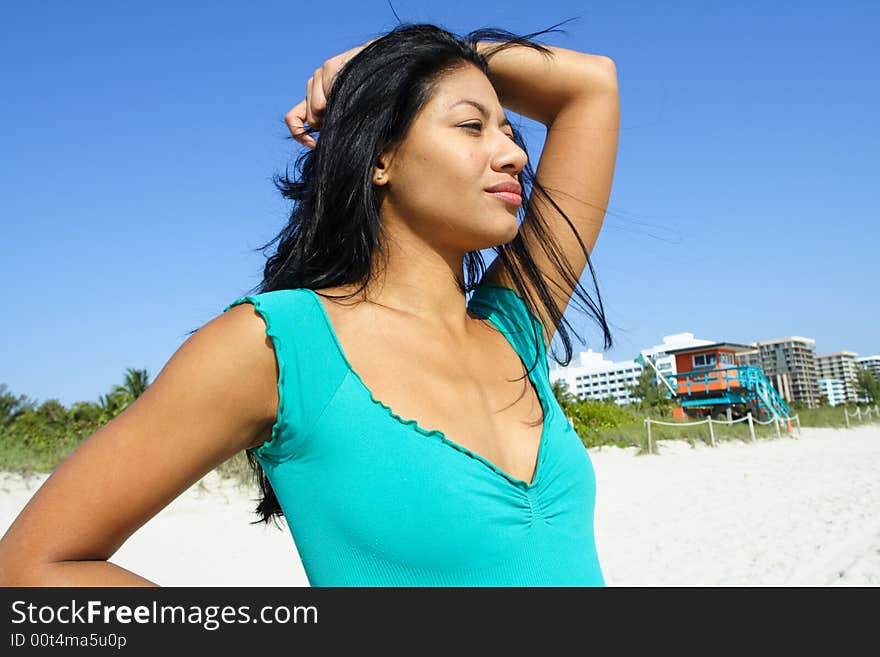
[537, 86]
[76, 573]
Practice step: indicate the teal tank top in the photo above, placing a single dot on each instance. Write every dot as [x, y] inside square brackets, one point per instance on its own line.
[374, 499]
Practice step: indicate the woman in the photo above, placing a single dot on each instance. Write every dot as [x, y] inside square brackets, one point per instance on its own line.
[409, 437]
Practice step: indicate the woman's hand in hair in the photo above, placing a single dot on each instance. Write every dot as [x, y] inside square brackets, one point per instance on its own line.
[311, 109]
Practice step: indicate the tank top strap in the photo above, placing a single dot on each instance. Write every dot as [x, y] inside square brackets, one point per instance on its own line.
[512, 315]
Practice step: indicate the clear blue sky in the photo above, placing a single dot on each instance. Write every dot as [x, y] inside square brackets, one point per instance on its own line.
[138, 141]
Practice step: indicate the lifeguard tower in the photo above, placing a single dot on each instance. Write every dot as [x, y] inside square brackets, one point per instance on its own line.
[709, 381]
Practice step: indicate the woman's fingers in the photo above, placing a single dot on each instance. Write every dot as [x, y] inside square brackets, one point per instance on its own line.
[311, 110]
[318, 101]
[308, 111]
[295, 120]
[310, 117]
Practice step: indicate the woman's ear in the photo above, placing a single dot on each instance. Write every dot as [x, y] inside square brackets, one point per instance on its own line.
[380, 176]
[382, 166]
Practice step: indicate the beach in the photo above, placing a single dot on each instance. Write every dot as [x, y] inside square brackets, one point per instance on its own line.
[781, 512]
[792, 511]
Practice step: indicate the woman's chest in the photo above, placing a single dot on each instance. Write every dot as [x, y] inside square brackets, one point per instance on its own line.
[374, 484]
[477, 393]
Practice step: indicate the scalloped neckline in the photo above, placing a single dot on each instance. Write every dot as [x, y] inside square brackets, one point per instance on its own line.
[413, 424]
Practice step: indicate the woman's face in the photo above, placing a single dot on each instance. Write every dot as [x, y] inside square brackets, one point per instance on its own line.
[435, 182]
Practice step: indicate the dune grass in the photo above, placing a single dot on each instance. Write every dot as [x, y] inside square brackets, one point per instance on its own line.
[28, 451]
[634, 433]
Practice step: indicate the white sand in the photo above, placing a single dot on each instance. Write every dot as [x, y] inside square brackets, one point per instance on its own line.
[784, 512]
[201, 539]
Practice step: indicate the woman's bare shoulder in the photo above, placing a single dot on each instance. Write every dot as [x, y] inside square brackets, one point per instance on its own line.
[241, 331]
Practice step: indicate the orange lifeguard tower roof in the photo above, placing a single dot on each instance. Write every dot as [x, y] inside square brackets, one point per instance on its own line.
[727, 346]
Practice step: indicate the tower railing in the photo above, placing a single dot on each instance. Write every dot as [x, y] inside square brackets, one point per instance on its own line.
[737, 378]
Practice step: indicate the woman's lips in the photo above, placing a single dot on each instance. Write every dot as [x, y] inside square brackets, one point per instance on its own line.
[507, 197]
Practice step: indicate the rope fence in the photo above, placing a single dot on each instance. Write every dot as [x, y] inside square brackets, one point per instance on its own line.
[858, 415]
[748, 418]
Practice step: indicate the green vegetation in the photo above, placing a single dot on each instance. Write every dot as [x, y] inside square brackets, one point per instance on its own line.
[652, 396]
[37, 437]
[833, 416]
[868, 386]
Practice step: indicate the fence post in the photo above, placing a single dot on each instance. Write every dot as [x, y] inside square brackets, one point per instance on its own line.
[846, 416]
[777, 422]
[798, 420]
[751, 427]
[711, 433]
[648, 427]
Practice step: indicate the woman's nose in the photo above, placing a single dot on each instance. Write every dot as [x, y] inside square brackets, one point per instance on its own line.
[511, 156]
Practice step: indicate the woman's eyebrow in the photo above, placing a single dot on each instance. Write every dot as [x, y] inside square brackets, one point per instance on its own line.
[480, 107]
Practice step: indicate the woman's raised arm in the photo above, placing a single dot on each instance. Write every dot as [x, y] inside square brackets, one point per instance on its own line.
[216, 396]
[576, 96]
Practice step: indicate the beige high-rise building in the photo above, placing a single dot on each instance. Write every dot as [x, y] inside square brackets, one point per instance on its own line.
[840, 366]
[790, 364]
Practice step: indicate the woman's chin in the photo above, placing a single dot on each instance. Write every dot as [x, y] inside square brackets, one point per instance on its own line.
[512, 227]
[495, 229]
[505, 235]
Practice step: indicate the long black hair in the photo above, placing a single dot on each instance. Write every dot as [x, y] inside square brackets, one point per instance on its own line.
[334, 229]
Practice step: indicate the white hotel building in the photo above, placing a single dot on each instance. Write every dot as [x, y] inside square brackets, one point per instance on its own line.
[590, 376]
[834, 391]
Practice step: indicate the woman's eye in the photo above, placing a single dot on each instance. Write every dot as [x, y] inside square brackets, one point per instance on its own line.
[479, 126]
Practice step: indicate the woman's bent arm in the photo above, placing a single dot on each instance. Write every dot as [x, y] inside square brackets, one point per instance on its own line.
[576, 96]
[216, 396]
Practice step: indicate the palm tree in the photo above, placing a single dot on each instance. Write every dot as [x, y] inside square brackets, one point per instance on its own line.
[113, 404]
[136, 382]
[122, 396]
